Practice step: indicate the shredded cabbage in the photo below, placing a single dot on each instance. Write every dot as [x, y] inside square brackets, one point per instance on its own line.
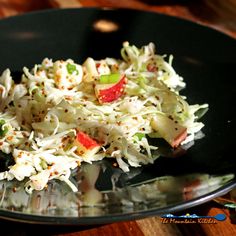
[42, 114]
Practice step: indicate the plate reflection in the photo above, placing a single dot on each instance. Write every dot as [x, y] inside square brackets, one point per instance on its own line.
[105, 190]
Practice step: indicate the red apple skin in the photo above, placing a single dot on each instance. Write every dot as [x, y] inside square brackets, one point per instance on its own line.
[179, 139]
[110, 92]
[85, 140]
[86, 146]
[152, 68]
[173, 132]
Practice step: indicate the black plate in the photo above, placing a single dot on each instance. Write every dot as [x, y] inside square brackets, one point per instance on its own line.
[206, 60]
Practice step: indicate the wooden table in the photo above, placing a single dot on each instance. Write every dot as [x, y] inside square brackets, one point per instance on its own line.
[200, 11]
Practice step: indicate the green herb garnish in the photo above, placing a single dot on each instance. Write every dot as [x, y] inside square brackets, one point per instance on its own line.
[71, 69]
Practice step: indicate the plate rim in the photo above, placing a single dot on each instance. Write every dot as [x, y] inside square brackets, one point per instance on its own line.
[97, 8]
[93, 220]
[98, 220]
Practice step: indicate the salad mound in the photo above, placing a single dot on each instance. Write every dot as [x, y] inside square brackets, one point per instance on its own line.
[62, 114]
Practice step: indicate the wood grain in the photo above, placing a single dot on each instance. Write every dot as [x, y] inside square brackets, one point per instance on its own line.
[197, 11]
[144, 227]
[154, 226]
[15, 7]
[208, 12]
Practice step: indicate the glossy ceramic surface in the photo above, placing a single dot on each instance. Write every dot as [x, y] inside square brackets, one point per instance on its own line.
[197, 173]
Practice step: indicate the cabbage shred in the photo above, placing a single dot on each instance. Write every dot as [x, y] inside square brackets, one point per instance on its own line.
[40, 116]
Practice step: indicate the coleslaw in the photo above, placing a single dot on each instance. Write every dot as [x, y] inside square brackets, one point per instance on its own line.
[62, 114]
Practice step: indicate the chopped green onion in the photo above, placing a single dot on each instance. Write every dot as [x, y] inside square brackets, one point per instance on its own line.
[3, 131]
[2, 122]
[71, 69]
[43, 164]
[139, 136]
[110, 79]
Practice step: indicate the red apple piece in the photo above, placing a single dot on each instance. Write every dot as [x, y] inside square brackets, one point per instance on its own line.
[110, 92]
[86, 146]
[169, 129]
[152, 67]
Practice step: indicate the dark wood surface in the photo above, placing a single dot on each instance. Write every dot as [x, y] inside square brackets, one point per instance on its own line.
[200, 11]
[218, 14]
[145, 227]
